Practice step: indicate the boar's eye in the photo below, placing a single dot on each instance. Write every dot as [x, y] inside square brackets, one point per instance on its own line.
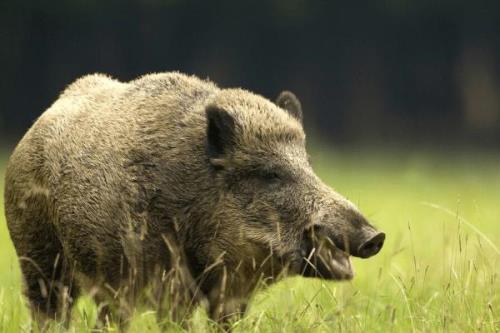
[270, 176]
[265, 176]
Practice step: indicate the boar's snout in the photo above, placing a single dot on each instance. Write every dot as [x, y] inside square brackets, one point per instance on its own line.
[371, 246]
[326, 253]
[361, 242]
[349, 230]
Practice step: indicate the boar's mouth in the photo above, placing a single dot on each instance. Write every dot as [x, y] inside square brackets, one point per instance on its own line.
[322, 259]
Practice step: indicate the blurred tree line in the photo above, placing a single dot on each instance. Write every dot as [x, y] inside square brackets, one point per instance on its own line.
[424, 72]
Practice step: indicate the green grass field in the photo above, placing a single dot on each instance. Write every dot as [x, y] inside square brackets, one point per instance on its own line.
[438, 272]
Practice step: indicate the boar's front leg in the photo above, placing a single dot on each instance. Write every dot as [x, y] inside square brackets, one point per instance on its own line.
[176, 290]
[227, 302]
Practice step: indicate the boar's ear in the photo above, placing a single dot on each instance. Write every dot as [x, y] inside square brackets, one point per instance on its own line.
[220, 134]
[288, 101]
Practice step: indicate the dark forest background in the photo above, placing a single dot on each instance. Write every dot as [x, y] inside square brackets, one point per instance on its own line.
[399, 71]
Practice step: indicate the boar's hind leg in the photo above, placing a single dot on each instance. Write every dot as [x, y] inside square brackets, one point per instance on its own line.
[50, 287]
[48, 278]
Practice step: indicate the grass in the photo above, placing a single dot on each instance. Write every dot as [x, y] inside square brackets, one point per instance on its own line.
[438, 272]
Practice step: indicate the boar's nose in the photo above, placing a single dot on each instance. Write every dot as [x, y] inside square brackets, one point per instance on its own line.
[372, 246]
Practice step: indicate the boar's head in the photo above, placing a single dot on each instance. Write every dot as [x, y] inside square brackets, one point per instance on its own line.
[273, 210]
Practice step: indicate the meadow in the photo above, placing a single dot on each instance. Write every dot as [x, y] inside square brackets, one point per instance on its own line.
[438, 271]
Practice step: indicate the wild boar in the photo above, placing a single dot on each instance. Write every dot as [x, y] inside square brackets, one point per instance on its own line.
[170, 190]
